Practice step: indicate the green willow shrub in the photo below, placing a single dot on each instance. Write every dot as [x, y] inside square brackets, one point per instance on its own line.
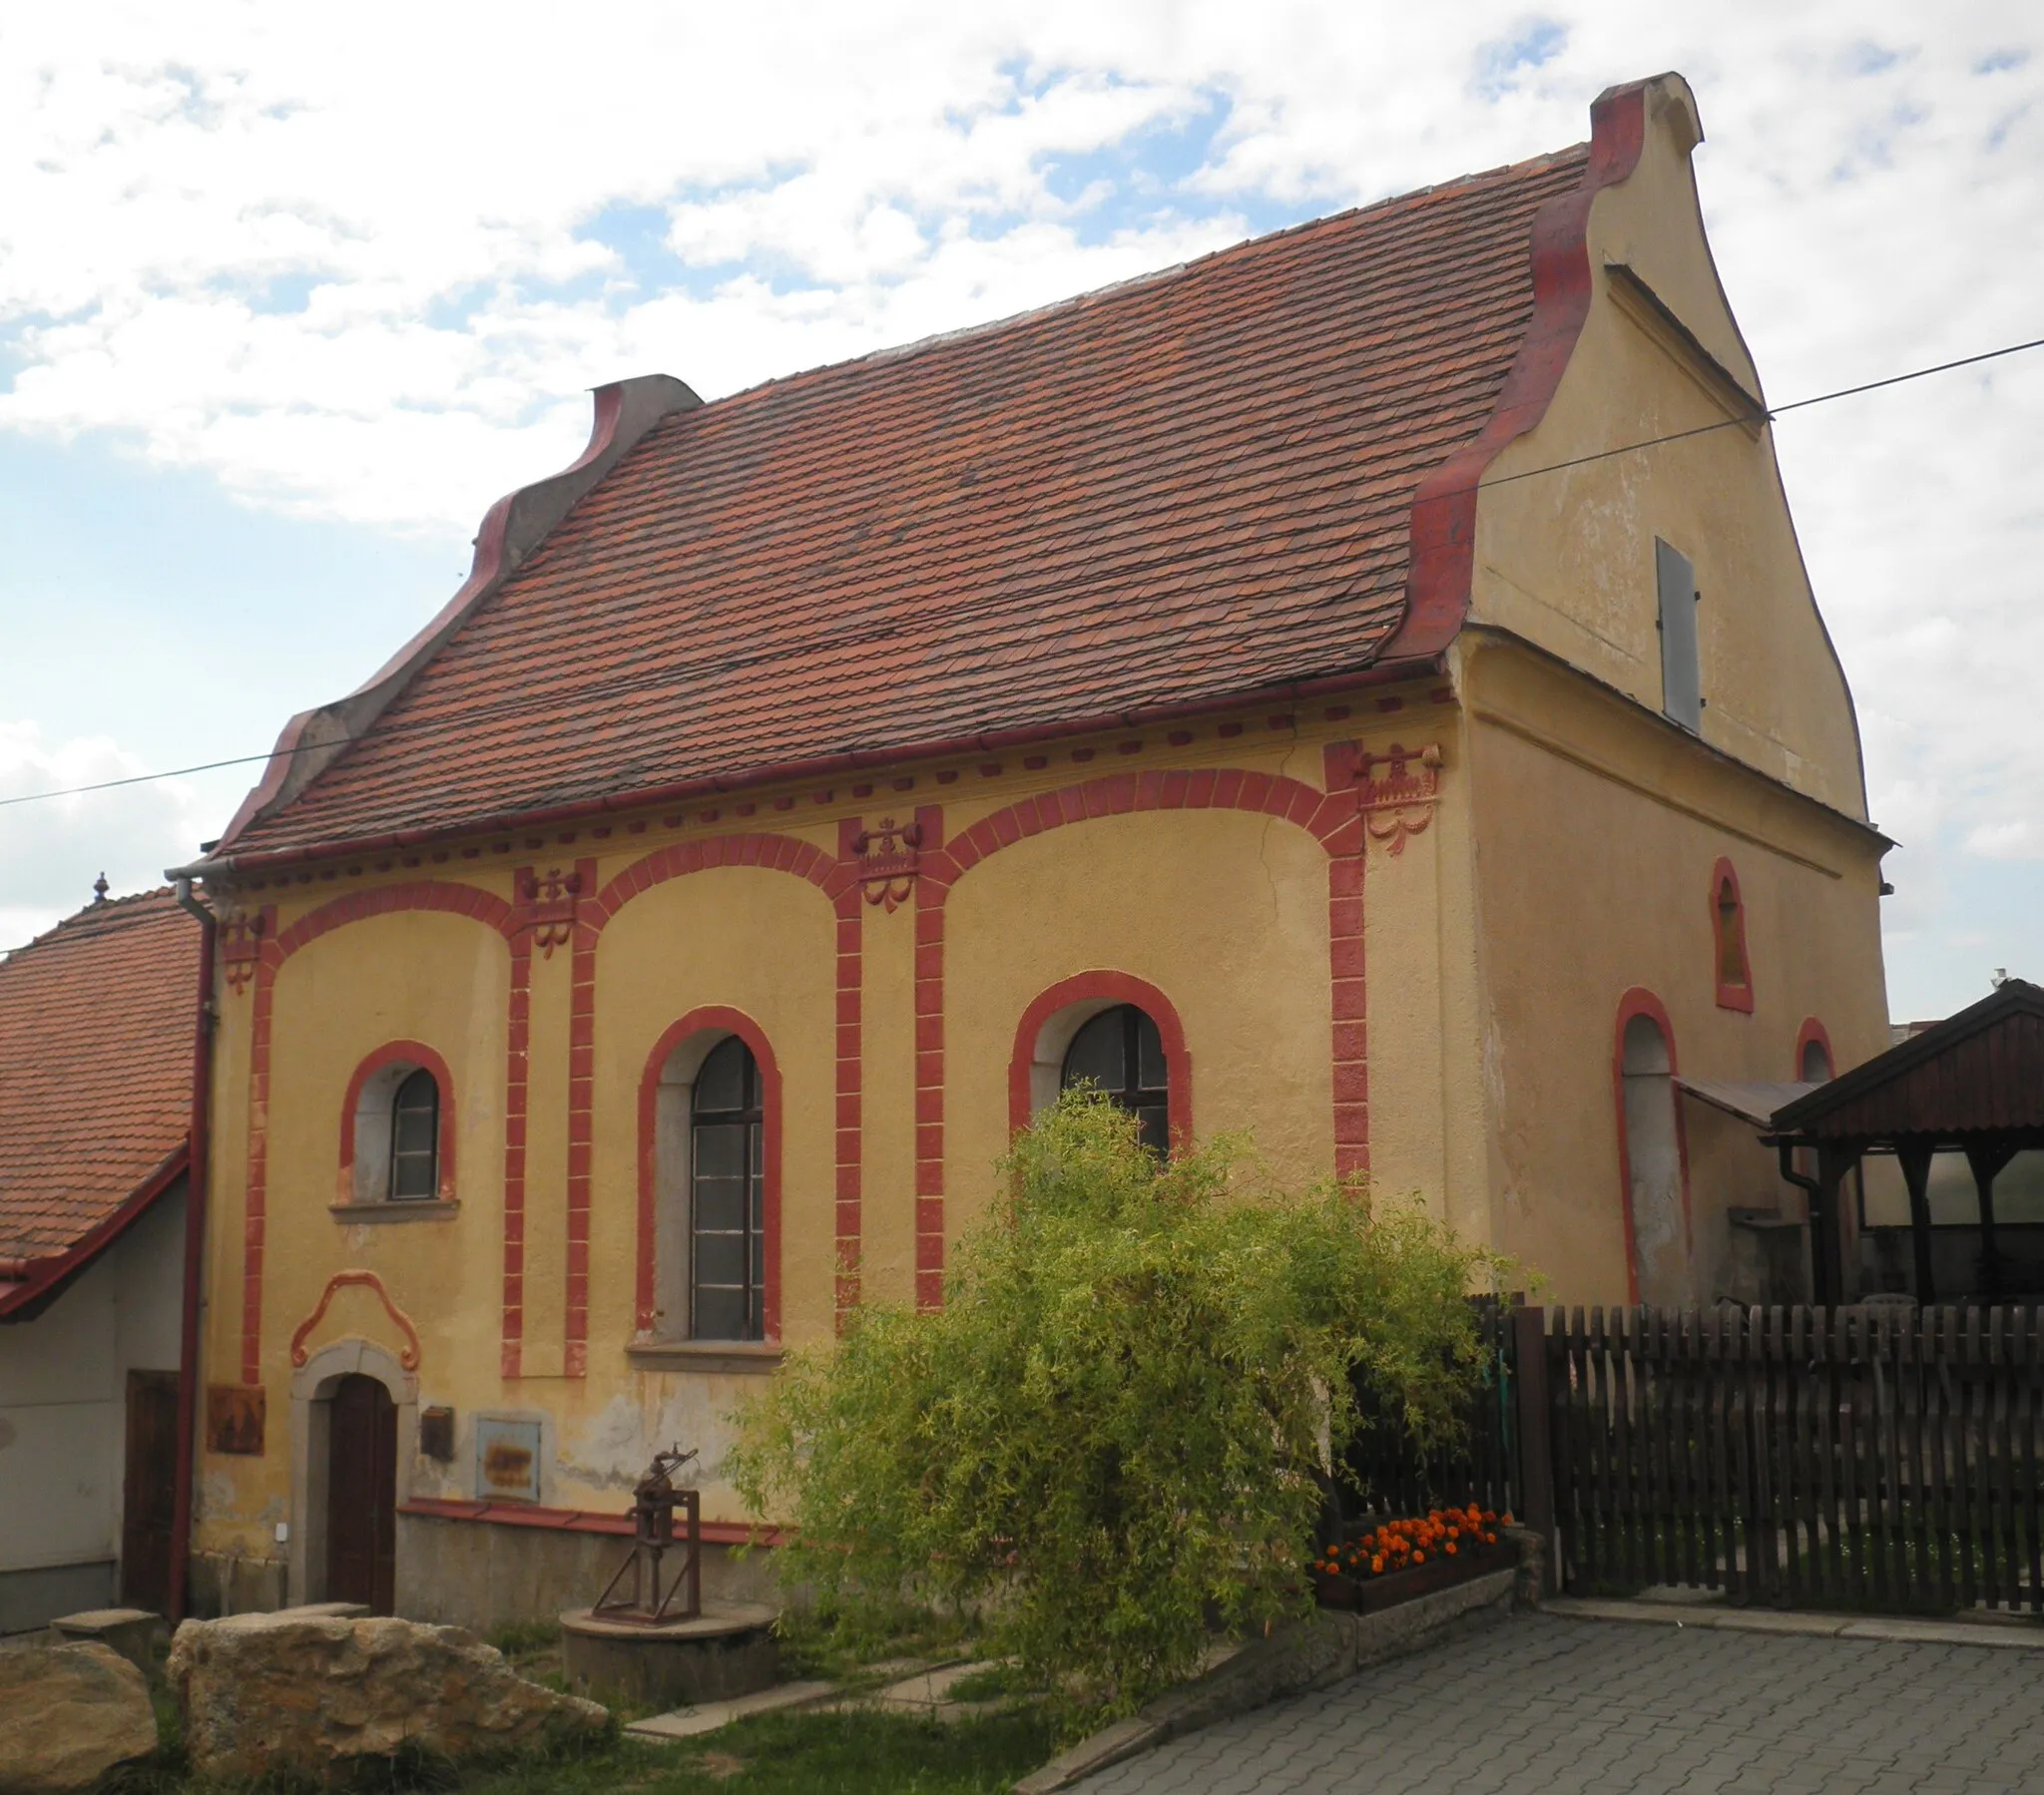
[1118, 1422]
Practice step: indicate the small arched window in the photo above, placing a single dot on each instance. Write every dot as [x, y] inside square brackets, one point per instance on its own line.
[727, 1196]
[416, 1139]
[1727, 936]
[1122, 1053]
[397, 1128]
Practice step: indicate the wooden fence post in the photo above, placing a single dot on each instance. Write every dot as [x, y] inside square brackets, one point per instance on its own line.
[1536, 1447]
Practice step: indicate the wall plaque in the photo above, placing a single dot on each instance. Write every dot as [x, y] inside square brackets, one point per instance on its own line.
[506, 1459]
[233, 1419]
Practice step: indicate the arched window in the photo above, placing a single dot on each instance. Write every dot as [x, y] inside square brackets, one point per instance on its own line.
[1650, 1154]
[1122, 1053]
[397, 1128]
[710, 1184]
[416, 1139]
[1727, 936]
[727, 1196]
[1812, 1067]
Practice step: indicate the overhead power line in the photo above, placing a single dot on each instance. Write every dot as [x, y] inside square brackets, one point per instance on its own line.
[965, 612]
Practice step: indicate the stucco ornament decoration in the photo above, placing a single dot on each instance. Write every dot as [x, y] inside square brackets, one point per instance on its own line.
[240, 947]
[369, 1280]
[547, 907]
[889, 857]
[1400, 802]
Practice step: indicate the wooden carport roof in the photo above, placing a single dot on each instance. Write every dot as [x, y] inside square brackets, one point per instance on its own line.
[1980, 1071]
[1974, 1082]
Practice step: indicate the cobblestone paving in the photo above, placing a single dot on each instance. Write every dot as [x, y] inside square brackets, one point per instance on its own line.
[1543, 1704]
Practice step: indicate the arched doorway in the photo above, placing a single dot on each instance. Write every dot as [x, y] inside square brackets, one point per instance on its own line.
[1651, 1143]
[361, 1493]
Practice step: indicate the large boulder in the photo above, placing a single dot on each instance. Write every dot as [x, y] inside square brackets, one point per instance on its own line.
[313, 1693]
[68, 1714]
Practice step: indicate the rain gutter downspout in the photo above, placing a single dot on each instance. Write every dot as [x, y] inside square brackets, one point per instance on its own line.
[195, 1260]
[1812, 1191]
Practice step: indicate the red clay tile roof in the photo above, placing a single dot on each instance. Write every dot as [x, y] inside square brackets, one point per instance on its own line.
[1165, 492]
[95, 1067]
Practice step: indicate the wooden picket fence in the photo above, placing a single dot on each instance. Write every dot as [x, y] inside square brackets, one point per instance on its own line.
[1876, 1457]
[1389, 1477]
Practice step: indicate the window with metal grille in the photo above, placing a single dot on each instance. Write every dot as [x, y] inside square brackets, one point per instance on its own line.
[416, 1140]
[727, 1197]
[1121, 1051]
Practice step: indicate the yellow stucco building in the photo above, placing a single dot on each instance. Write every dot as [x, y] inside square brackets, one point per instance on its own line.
[1278, 687]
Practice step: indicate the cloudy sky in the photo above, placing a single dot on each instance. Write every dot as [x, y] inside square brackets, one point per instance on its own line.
[285, 301]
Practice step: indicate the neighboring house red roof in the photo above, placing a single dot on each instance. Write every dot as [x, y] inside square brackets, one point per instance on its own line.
[95, 1038]
[1194, 486]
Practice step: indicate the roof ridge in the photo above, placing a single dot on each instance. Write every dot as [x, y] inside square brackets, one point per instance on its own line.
[101, 913]
[890, 353]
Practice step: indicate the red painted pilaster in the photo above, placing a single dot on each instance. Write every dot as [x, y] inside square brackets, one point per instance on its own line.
[850, 911]
[1348, 984]
[580, 1123]
[932, 885]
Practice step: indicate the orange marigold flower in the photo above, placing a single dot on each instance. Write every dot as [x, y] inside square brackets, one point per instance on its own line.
[1451, 1549]
[1419, 1558]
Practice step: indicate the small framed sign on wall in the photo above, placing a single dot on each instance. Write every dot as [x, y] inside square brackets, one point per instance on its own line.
[506, 1459]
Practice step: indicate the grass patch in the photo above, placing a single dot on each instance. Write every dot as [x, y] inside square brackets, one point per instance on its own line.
[992, 1682]
[859, 1752]
[826, 1645]
[518, 1639]
[852, 1753]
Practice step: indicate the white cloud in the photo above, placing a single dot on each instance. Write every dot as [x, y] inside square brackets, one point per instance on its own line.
[52, 851]
[2022, 839]
[360, 268]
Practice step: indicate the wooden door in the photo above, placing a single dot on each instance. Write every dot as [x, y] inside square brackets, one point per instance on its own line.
[148, 1489]
[361, 1495]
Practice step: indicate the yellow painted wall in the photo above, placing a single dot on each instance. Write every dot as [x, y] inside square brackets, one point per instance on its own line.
[1599, 827]
[1567, 858]
[1224, 912]
[1566, 559]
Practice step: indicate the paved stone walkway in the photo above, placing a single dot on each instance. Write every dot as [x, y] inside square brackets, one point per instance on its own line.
[1555, 1706]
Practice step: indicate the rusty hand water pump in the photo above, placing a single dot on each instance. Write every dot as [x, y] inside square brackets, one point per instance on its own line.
[654, 1501]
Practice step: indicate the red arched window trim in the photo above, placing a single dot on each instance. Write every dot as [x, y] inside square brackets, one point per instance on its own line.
[1639, 1001]
[1107, 987]
[410, 1052]
[1728, 940]
[1814, 1031]
[721, 1020]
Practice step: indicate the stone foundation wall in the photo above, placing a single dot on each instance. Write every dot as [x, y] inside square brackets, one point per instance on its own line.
[222, 1582]
[476, 1574]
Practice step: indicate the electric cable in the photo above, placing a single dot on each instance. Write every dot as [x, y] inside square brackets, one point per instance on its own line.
[966, 613]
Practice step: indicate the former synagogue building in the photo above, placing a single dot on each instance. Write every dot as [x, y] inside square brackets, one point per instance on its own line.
[1255, 687]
